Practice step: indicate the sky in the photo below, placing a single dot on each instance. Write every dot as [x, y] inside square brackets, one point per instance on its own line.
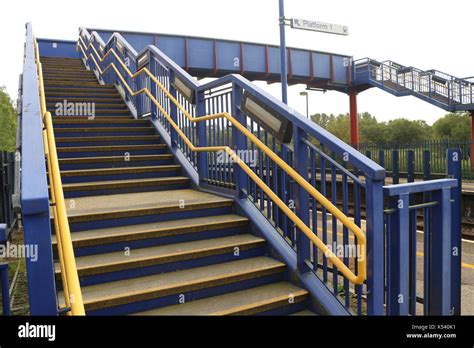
[434, 34]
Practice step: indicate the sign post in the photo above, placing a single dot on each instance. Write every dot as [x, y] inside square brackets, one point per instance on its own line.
[283, 61]
[329, 28]
[303, 24]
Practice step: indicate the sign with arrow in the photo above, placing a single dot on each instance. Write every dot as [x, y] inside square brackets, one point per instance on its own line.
[297, 23]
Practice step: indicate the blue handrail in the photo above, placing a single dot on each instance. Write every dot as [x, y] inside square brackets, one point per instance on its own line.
[34, 190]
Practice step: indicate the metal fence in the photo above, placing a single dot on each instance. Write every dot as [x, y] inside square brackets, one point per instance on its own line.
[7, 184]
[415, 159]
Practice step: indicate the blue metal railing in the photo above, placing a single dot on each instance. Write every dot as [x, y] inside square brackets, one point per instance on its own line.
[34, 190]
[441, 89]
[395, 156]
[7, 187]
[316, 155]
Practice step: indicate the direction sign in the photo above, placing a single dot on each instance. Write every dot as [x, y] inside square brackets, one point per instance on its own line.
[298, 23]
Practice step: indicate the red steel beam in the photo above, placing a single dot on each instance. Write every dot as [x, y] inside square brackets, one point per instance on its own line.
[354, 120]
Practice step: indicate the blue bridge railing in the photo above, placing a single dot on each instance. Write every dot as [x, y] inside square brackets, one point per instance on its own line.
[438, 88]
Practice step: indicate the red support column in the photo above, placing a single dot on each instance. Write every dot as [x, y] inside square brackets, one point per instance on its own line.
[354, 120]
[472, 140]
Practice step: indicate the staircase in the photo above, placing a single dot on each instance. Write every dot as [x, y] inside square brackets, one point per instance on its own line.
[435, 87]
[145, 241]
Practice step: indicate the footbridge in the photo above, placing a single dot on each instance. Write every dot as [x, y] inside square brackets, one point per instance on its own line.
[218, 190]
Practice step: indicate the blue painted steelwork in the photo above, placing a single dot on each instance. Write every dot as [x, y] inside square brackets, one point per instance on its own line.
[435, 87]
[5, 288]
[8, 179]
[436, 148]
[401, 234]
[453, 157]
[34, 191]
[57, 48]
[206, 57]
[410, 166]
[283, 57]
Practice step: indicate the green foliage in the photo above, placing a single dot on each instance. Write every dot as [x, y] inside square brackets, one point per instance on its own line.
[7, 122]
[401, 130]
[453, 127]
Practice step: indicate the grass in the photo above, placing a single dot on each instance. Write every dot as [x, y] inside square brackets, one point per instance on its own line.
[19, 295]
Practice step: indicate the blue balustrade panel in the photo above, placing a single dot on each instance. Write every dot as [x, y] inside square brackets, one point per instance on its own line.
[219, 133]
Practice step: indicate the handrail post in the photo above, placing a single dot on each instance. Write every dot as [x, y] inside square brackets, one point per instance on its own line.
[395, 168]
[440, 262]
[201, 129]
[410, 166]
[398, 246]
[152, 68]
[303, 245]
[375, 247]
[454, 171]
[173, 111]
[239, 140]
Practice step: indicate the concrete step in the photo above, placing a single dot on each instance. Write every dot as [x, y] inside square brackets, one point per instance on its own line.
[306, 313]
[113, 161]
[121, 173]
[70, 120]
[99, 94]
[97, 131]
[71, 83]
[98, 106]
[161, 229]
[104, 140]
[111, 148]
[139, 290]
[88, 213]
[102, 89]
[85, 98]
[111, 112]
[163, 254]
[109, 187]
[245, 302]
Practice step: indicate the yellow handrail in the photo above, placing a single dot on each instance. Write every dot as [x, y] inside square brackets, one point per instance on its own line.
[331, 208]
[67, 261]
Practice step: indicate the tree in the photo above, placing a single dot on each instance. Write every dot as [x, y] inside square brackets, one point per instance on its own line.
[370, 130]
[403, 130]
[7, 122]
[453, 127]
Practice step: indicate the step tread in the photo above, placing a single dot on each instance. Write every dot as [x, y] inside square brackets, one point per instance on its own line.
[119, 170]
[107, 138]
[119, 203]
[96, 120]
[99, 159]
[102, 129]
[101, 148]
[306, 312]
[81, 97]
[138, 288]
[108, 262]
[109, 184]
[150, 230]
[237, 302]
